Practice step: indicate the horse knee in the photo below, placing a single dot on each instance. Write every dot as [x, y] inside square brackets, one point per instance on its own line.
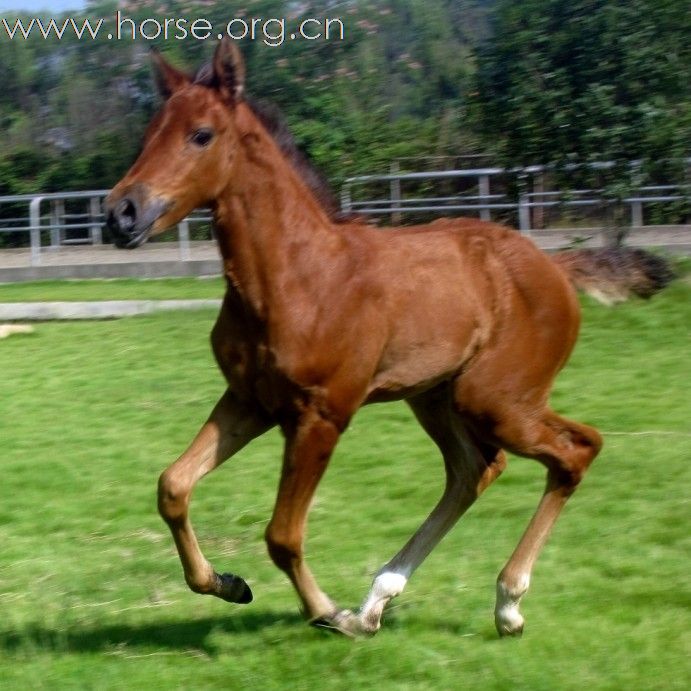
[173, 496]
[283, 549]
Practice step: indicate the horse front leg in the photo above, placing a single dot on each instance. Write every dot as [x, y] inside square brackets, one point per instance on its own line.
[230, 426]
[309, 444]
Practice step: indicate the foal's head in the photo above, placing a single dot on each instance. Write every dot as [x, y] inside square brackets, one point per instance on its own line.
[190, 149]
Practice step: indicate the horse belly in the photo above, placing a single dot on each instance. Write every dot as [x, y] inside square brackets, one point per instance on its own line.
[429, 344]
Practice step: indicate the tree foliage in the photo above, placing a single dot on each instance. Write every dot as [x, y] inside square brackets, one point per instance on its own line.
[531, 82]
[578, 81]
[78, 108]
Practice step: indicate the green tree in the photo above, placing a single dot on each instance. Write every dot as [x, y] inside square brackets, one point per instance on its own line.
[578, 81]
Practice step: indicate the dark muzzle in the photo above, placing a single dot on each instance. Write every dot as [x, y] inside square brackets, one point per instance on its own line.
[130, 218]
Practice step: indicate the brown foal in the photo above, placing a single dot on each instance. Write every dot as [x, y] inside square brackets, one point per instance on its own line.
[465, 320]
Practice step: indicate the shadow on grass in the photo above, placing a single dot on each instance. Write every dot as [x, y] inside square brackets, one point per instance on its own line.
[174, 636]
[197, 636]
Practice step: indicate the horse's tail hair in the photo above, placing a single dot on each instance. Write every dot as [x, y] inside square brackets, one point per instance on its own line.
[614, 274]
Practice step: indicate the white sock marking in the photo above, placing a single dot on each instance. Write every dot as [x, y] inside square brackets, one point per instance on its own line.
[386, 585]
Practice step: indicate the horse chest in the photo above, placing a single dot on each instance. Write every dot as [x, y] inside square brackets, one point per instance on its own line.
[250, 368]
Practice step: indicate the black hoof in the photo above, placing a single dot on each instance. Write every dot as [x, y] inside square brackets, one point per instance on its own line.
[232, 588]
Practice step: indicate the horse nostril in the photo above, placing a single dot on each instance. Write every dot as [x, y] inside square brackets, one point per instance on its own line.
[122, 218]
[126, 215]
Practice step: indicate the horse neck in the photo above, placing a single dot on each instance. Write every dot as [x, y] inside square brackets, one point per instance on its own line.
[272, 232]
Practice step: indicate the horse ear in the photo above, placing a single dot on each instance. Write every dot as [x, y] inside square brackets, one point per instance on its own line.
[229, 71]
[168, 79]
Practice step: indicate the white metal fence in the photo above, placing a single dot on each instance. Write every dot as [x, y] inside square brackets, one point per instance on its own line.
[484, 197]
[58, 219]
[54, 220]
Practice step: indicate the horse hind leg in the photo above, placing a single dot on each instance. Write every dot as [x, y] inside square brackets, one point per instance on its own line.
[470, 469]
[567, 449]
[230, 426]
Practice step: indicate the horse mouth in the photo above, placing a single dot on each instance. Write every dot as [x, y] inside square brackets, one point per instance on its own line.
[132, 242]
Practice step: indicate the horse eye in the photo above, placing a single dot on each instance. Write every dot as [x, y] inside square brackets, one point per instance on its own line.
[202, 137]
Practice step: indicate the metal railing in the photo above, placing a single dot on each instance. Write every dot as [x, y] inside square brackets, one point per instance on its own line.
[46, 215]
[577, 198]
[67, 218]
[479, 199]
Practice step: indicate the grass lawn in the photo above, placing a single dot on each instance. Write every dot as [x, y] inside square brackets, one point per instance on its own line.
[79, 290]
[91, 591]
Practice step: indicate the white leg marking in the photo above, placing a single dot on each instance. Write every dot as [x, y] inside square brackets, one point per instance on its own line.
[508, 619]
[386, 586]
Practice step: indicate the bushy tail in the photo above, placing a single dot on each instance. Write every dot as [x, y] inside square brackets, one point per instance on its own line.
[614, 274]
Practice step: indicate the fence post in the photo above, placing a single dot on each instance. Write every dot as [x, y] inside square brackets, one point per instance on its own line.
[483, 188]
[57, 212]
[636, 214]
[346, 201]
[35, 230]
[94, 213]
[524, 214]
[539, 211]
[184, 240]
[395, 186]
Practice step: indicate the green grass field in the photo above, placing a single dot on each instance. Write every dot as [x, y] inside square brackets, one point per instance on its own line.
[117, 289]
[91, 591]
